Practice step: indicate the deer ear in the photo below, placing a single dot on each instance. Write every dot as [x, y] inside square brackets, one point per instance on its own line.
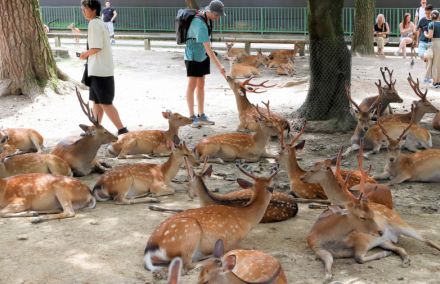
[84, 127]
[174, 271]
[219, 248]
[229, 262]
[244, 183]
[208, 171]
[166, 114]
[300, 145]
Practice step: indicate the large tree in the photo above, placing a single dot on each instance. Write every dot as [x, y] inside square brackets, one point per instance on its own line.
[363, 29]
[27, 65]
[330, 67]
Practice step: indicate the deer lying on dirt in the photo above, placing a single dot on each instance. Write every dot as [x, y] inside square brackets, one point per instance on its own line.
[23, 139]
[80, 152]
[421, 107]
[192, 234]
[284, 53]
[232, 146]
[234, 52]
[286, 68]
[423, 166]
[29, 195]
[30, 162]
[174, 271]
[149, 141]
[254, 60]
[241, 70]
[281, 207]
[241, 267]
[129, 184]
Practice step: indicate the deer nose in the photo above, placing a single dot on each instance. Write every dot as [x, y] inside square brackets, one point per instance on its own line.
[365, 128]
[392, 159]
[380, 232]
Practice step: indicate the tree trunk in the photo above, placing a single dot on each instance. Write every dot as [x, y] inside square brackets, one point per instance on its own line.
[330, 67]
[363, 39]
[27, 65]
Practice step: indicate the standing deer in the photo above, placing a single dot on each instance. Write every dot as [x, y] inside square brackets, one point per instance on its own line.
[192, 234]
[241, 267]
[234, 52]
[23, 139]
[149, 141]
[29, 195]
[281, 207]
[80, 152]
[129, 184]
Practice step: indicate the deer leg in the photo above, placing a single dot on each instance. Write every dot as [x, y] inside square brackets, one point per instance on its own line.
[350, 149]
[406, 262]
[66, 204]
[161, 189]
[375, 150]
[105, 165]
[401, 177]
[384, 175]
[34, 142]
[327, 258]
[16, 210]
[125, 201]
[126, 149]
[268, 155]
[97, 167]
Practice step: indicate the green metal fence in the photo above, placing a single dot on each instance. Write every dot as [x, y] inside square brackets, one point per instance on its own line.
[254, 20]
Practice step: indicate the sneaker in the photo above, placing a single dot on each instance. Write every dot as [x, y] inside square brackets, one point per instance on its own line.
[196, 122]
[204, 120]
[123, 130]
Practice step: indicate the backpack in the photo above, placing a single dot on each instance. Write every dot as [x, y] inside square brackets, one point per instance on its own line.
[183, 21]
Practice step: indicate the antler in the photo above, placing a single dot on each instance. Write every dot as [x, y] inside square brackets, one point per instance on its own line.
[240, 167]
[409, 125]
[416, 87]
[381, 127]
[86, 109]
[361, 169]
[299, 133]
[248, 86]
[347, 92]
[390, 74]
[267, 107]
[259, 112]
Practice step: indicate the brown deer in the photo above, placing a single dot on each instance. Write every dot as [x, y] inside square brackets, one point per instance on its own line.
[232, 146]
[254, 60]
[23, 139]
[192, 234]
[241, 267]
[286, 68]
[174, 271]
[421, 107]
[436, 122]
[80, 152]
[234, 52]
[149, 141]
[129, 184]
[29, 195]
[241, 70]
[285, 53]
[281, 207]
[30, 162]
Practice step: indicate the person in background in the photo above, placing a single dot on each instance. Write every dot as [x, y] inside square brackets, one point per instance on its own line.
[100, 65]
[108, 16]
[407, 29]
[433, 33]
[381, 32]
[423, 42]
[420, 12]
[198, 53]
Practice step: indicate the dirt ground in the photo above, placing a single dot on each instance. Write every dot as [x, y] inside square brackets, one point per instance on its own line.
[106, 244]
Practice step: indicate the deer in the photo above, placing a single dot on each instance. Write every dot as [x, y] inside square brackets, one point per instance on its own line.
[29, 195]
[240, 267]
[80, 152]
[421, 107]
[234, 52]
[23, 140]
[29, 162]
[436, 122]
[149, 141]
[254, 60]
[423, 166]
[129, 184]
[228, 147]
[241, 70]
[192, 234]
[286, 68]
[284, 53]
[247, 111]
[281, 207]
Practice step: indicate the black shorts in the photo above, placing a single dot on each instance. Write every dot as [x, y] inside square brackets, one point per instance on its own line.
[102, 90]
[197, 69]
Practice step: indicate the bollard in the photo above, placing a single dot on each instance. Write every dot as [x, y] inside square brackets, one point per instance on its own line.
[147, 44]
[247, 47]
[58, 41]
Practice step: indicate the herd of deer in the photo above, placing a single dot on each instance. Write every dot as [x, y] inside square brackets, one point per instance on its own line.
[359, 214]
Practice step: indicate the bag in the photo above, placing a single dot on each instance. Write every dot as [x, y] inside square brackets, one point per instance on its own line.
[429, 54]
[183, 21]
[86, 80]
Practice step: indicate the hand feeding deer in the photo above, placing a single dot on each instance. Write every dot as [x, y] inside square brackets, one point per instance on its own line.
[23, 139]
[281, 207]
[241, 267]
[80, 152]
[129, 184]
[149, 141]
[192, 234]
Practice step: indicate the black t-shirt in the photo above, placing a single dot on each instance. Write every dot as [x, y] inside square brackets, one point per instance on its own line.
[381, 29]
[423, 24]
[108, 14]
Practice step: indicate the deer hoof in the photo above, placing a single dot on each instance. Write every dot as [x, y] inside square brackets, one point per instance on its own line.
[36, 220]
[406, 262]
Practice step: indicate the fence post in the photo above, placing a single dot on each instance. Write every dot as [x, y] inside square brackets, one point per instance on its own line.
[261, 24]
[147, 44]
[247, 47]
[57, 41]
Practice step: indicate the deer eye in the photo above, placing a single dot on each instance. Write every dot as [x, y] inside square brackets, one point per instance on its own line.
[363, 218]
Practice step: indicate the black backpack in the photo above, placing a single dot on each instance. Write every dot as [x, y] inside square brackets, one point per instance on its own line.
[183, 21]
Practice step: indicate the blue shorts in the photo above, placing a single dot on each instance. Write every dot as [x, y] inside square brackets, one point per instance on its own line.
[423, 46]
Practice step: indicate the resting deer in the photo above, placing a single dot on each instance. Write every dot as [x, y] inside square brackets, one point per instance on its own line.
[174, 271]
[421, 107]
[241, 267]
[192, 234]
[254, 60]
[232, 146]
[30, 162]
[241, 70]
[80, 152]
[146, 142]
[423, 166]
[23, 139]
[281, 207]
[286, 68]
[129, 184]
[234, 52]
[29, 195]
[285, 53]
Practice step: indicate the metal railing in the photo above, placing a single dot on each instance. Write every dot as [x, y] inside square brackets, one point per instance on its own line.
[240, 20]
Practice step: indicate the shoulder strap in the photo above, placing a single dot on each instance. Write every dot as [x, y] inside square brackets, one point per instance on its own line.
[208, 25]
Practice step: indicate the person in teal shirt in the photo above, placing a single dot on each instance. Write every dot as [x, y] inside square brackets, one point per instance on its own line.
[198, 53]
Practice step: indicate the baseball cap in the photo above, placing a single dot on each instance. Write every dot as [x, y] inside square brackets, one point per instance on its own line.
[216, 6]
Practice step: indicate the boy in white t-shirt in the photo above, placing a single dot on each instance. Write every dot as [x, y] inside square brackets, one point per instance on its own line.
[100, 65]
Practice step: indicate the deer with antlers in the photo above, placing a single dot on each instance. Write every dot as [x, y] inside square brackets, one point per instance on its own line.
[129, 184]
[80, 152]
[147, 142]
[241, 267]
[281, 207]
[421, 107]
[192, 234]
[231, 146]
[23, 139]
[30, 162]
[30, 195]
